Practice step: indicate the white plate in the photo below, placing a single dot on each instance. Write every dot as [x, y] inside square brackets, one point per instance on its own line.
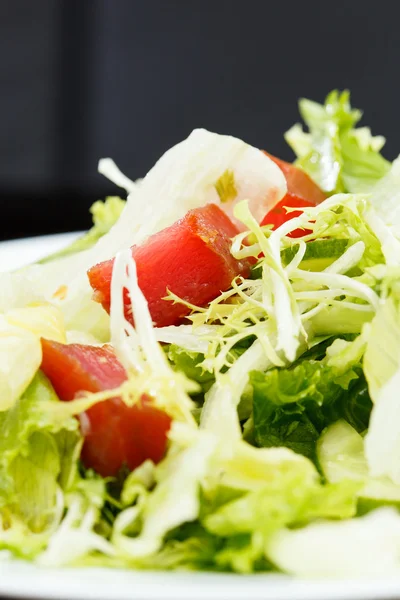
[19, 253]
[23, 580]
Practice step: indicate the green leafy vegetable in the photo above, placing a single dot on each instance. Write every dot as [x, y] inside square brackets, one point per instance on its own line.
[365, 548]
[292, 406]
[35, 485]
[341, 455]
[39, 455]
[21, 422]
[230, 503]
[190, 363]
[386, 202]
[337, 156]
[270, 508]
[382, 370]
[382, 356]
[189, 546]
[40, 480]
[243, 553]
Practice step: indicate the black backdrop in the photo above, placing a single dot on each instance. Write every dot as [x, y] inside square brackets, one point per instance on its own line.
[81, 79]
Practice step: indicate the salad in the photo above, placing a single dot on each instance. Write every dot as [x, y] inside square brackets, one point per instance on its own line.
[209, 378]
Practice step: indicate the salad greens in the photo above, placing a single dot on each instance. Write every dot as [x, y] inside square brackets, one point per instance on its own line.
[293, 406]
[283, 391]
[337, 155]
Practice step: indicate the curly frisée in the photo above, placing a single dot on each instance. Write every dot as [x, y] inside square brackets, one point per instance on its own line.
[209, 378]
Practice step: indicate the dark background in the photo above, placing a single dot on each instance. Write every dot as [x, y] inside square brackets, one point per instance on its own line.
[83, 79]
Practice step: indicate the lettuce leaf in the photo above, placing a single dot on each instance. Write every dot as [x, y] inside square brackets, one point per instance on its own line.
[38, 458]
[366, 547]
[242, 553]
[18, 424]
[34, 476]
[190, 363]
[382, 355]
[189, 546]
[336, 155]
[386, 199]
[48, 509]
[292, 406]
[231, 501]
[82, 534]
[267, 510]
[341, 455]
[382, 370]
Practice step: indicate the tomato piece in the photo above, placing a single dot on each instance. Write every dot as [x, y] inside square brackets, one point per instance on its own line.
[115, 435]
[279, 215]
[299, 184]
[302, 192]
[191, 258]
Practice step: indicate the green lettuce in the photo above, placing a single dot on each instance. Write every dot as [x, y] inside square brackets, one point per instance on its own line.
[231, 501]
[39, 457]
[382, 370]
[49, 509]
[190, 363]
[341, 455]
[242, 553]
[291, 406]
[243, 525]
[270, 508]
[336, 155]
[105, 214]
[234, 525]
[382, 355]
[366, 547]
[386, 202]
[34, 477]
[21, 423]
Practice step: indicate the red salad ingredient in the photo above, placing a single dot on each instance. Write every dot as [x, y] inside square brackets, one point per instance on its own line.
[115, 435]
[302, 192]
[191, 258]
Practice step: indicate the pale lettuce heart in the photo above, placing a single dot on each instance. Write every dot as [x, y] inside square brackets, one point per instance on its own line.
[20, 358]
[382, 442]
[20, 348]
[364, 547]
[382, 370]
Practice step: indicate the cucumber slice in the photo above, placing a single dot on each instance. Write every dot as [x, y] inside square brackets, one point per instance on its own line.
[340, 452]
[319, 254]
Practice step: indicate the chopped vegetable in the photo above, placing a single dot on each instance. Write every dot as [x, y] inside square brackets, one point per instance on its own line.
[191, 259]
[292, 406]
[338, 156]
[115, 435]
[299, 184]
[341, 455]
[279, 215]
[20, 350]
[302, 193]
